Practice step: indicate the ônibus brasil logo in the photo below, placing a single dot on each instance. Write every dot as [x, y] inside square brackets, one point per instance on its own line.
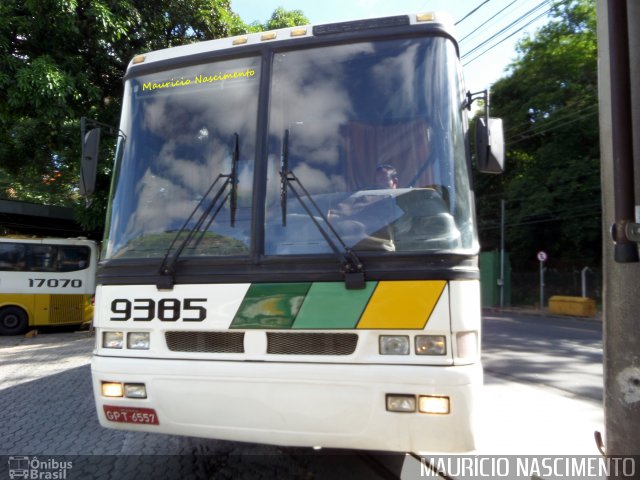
[34, 468]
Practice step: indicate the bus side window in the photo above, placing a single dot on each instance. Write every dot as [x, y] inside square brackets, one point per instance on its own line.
[41, 258]
[12, 256]
[72, 258]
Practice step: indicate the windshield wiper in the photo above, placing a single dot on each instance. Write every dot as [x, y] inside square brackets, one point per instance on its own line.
[284, 169]
[167, 267]
[351, 266]
[233, 204]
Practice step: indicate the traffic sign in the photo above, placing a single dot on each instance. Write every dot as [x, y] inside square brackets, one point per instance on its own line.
[542, 256]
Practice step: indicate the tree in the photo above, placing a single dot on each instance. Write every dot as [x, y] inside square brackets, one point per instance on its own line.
[63, 59]
[549, 104]
[280, 18]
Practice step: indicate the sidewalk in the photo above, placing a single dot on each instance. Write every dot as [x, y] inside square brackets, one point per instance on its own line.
[523, 419]
[523, 424]
[538, 418]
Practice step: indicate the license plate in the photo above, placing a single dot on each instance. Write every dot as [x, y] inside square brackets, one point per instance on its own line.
[142, 416]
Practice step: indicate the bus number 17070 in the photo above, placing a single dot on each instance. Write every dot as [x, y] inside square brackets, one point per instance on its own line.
[55, 282]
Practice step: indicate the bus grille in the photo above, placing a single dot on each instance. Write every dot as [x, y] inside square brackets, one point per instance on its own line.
[278, 343]
[66, 309]
[285, 343]
[209, 342]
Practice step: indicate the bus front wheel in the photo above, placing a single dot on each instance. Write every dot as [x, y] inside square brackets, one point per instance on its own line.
[13, 321]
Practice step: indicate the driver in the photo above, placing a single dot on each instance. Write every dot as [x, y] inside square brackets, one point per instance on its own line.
[386, 176]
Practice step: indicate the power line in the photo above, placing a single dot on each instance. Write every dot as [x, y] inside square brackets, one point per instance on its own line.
[552, 128]
[515, 203]
[534, 222]
[472, 12]
[547, 124]
[484, 24]
[500, 32]
[554, 4]
[529, 123]
[560, 215]
[505, 38]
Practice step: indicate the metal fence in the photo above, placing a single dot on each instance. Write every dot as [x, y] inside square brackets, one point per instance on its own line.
[525, 286]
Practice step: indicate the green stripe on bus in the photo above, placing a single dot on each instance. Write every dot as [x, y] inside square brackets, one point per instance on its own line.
[332, 306]
[270, 305]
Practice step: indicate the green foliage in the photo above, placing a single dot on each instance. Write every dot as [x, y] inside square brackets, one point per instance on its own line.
[549, 105]
[64, 59]
[282, 18]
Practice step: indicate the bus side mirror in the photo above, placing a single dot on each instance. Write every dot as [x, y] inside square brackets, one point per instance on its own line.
[89, 162]
[489, 145]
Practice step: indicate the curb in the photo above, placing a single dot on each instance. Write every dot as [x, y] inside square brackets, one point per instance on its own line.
[540, 313]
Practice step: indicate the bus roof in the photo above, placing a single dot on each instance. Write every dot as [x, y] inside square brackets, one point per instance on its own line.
[47, 240]
[437, 20]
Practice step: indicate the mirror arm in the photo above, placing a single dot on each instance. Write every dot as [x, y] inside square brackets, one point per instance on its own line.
[472, 97]
[88, 122]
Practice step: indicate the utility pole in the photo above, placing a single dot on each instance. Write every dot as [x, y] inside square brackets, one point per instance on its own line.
[619, 92]
[502, 286]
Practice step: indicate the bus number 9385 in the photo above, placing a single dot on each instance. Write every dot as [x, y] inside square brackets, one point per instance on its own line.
[166, 309]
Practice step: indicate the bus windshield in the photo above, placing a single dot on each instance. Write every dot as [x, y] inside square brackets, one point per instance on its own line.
[182, 127]
[374, 133]
[365, 141]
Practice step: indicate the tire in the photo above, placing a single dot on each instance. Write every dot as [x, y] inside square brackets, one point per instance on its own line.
[13, 321]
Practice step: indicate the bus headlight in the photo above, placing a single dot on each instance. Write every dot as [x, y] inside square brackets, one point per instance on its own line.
[433, 404]
[394, 345]
[135, 390]
[112, 339]
[431, 345]
[401, 403]
[138, 340]
[112, 389]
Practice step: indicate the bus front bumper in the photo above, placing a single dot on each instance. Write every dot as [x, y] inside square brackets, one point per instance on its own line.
[292, 404]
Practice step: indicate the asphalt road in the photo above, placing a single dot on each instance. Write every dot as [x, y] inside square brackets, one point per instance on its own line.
[47, 419]
[560, 352]
[47, 409]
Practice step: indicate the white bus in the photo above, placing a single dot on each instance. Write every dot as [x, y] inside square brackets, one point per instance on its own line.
[291, 251]
[45, 282]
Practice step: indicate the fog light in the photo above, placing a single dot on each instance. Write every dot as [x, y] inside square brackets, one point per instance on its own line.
[431, 345]
[394, 345]
[467, 343]
[431, 404]
[111, 389]
[135, 390]
[401, 403]
[112, 339]
[138, 340]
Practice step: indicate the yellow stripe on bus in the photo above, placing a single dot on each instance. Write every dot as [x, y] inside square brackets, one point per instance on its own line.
[402, 304]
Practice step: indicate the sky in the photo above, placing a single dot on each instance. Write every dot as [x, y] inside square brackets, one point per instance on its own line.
[483, 63]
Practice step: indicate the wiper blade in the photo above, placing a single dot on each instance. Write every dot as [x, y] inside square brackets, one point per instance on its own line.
[351, 266]
[167, 267]
[233, 179]
[284, 169]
